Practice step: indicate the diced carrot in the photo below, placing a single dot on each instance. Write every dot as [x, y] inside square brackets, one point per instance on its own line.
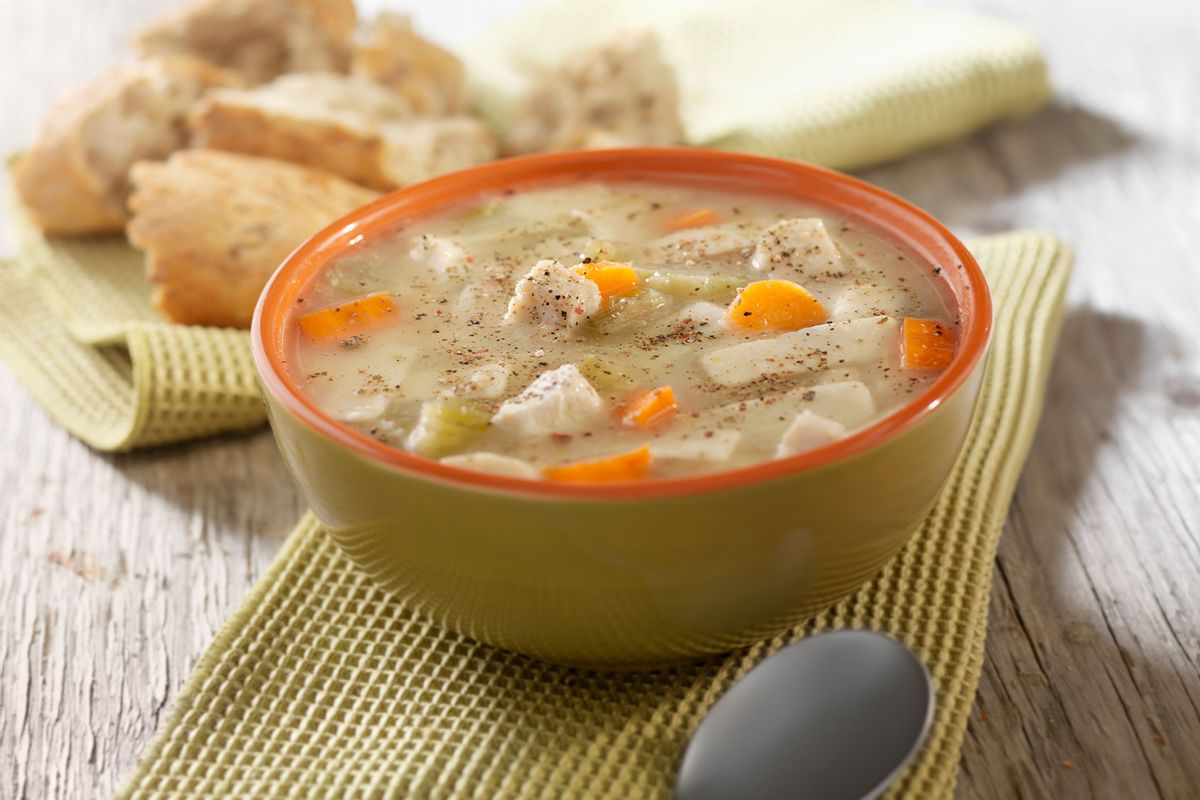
[927, 344]
[349, 317]
[650, 408]
[693, 219]
[613, 278]
[775, 305]
[623, 467]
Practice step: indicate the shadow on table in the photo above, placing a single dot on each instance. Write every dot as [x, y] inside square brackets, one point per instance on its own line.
[968, 184]
[1058, 668]
[235, 482]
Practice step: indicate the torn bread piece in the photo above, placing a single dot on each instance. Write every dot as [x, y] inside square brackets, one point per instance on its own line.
[257, 39]
[345, 125]
[620, 94]
[392, 54]
[74, 180]
[216, 225]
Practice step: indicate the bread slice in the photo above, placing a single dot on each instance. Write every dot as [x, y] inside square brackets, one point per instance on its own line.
[74, 178]
[216, 225]
[393, 54]
[258, 39]
[620, 94]
[345, 125]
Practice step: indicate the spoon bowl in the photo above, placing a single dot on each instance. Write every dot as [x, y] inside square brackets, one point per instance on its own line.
[835, 716]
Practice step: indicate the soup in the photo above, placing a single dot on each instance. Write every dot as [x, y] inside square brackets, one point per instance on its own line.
[627, 331]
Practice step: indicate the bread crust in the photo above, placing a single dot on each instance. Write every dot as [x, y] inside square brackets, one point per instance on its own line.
[392, 53]
[340, 125]
[72, 181]
[216, 225]
[257, 39]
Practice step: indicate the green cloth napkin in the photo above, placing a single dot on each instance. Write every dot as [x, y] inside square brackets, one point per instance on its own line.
[843, 83]
[322, 685]
[80, 333]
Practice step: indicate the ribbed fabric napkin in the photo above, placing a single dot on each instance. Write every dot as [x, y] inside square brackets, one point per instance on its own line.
[322, 685]
[843, 83]
[81, 334]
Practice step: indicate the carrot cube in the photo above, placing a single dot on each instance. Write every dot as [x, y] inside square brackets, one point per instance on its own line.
[693, 219]
[926, 344]
[630, 466]
[775, 305]
[612, 278]
[348, 318]
[650, 408]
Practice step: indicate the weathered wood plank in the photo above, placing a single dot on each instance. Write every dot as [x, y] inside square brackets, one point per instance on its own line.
[115, 571]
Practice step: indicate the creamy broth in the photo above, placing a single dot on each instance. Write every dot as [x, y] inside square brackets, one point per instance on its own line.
[541, 328]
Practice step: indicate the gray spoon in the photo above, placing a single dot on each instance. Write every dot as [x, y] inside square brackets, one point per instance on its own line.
[831, 717]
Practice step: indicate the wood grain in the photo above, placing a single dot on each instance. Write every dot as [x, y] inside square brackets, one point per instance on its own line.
[115, 571]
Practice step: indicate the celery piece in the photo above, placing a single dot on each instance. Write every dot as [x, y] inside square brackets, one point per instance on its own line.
[643, 309]
[447, 424]
[601, 250]
[720, 288]
[603, 373]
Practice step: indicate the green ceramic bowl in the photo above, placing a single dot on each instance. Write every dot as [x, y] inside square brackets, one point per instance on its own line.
[636, 574]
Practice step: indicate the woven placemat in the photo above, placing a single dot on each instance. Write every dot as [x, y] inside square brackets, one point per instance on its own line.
[80, 308]
[322, 685]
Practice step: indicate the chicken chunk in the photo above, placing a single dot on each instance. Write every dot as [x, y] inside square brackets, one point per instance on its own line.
[797, 247]
[446, 257]
[808, 431]
[494, 463]
[706, 242]
[553, 297]
[558, 401]
[709, 446]
[488, 382]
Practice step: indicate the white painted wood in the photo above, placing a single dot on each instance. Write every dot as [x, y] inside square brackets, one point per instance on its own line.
[115, 571]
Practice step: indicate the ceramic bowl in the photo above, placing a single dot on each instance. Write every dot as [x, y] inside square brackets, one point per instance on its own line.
[634, 574]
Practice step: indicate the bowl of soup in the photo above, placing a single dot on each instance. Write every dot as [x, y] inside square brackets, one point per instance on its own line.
[626, 407]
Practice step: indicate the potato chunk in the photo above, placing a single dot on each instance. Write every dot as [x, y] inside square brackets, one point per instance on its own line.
[558, 401]
[553, 297]
[710, 446]
[797, 247]
[494, 463]
[814, 349]
[807, 432]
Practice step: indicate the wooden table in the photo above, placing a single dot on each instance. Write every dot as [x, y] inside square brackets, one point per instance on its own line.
[115, 571]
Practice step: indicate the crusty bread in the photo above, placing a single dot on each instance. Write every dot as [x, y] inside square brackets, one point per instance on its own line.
[345, 125]
[393, 54]
[258, 39]
[74, 178]
[620, 94]
[216, 225]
